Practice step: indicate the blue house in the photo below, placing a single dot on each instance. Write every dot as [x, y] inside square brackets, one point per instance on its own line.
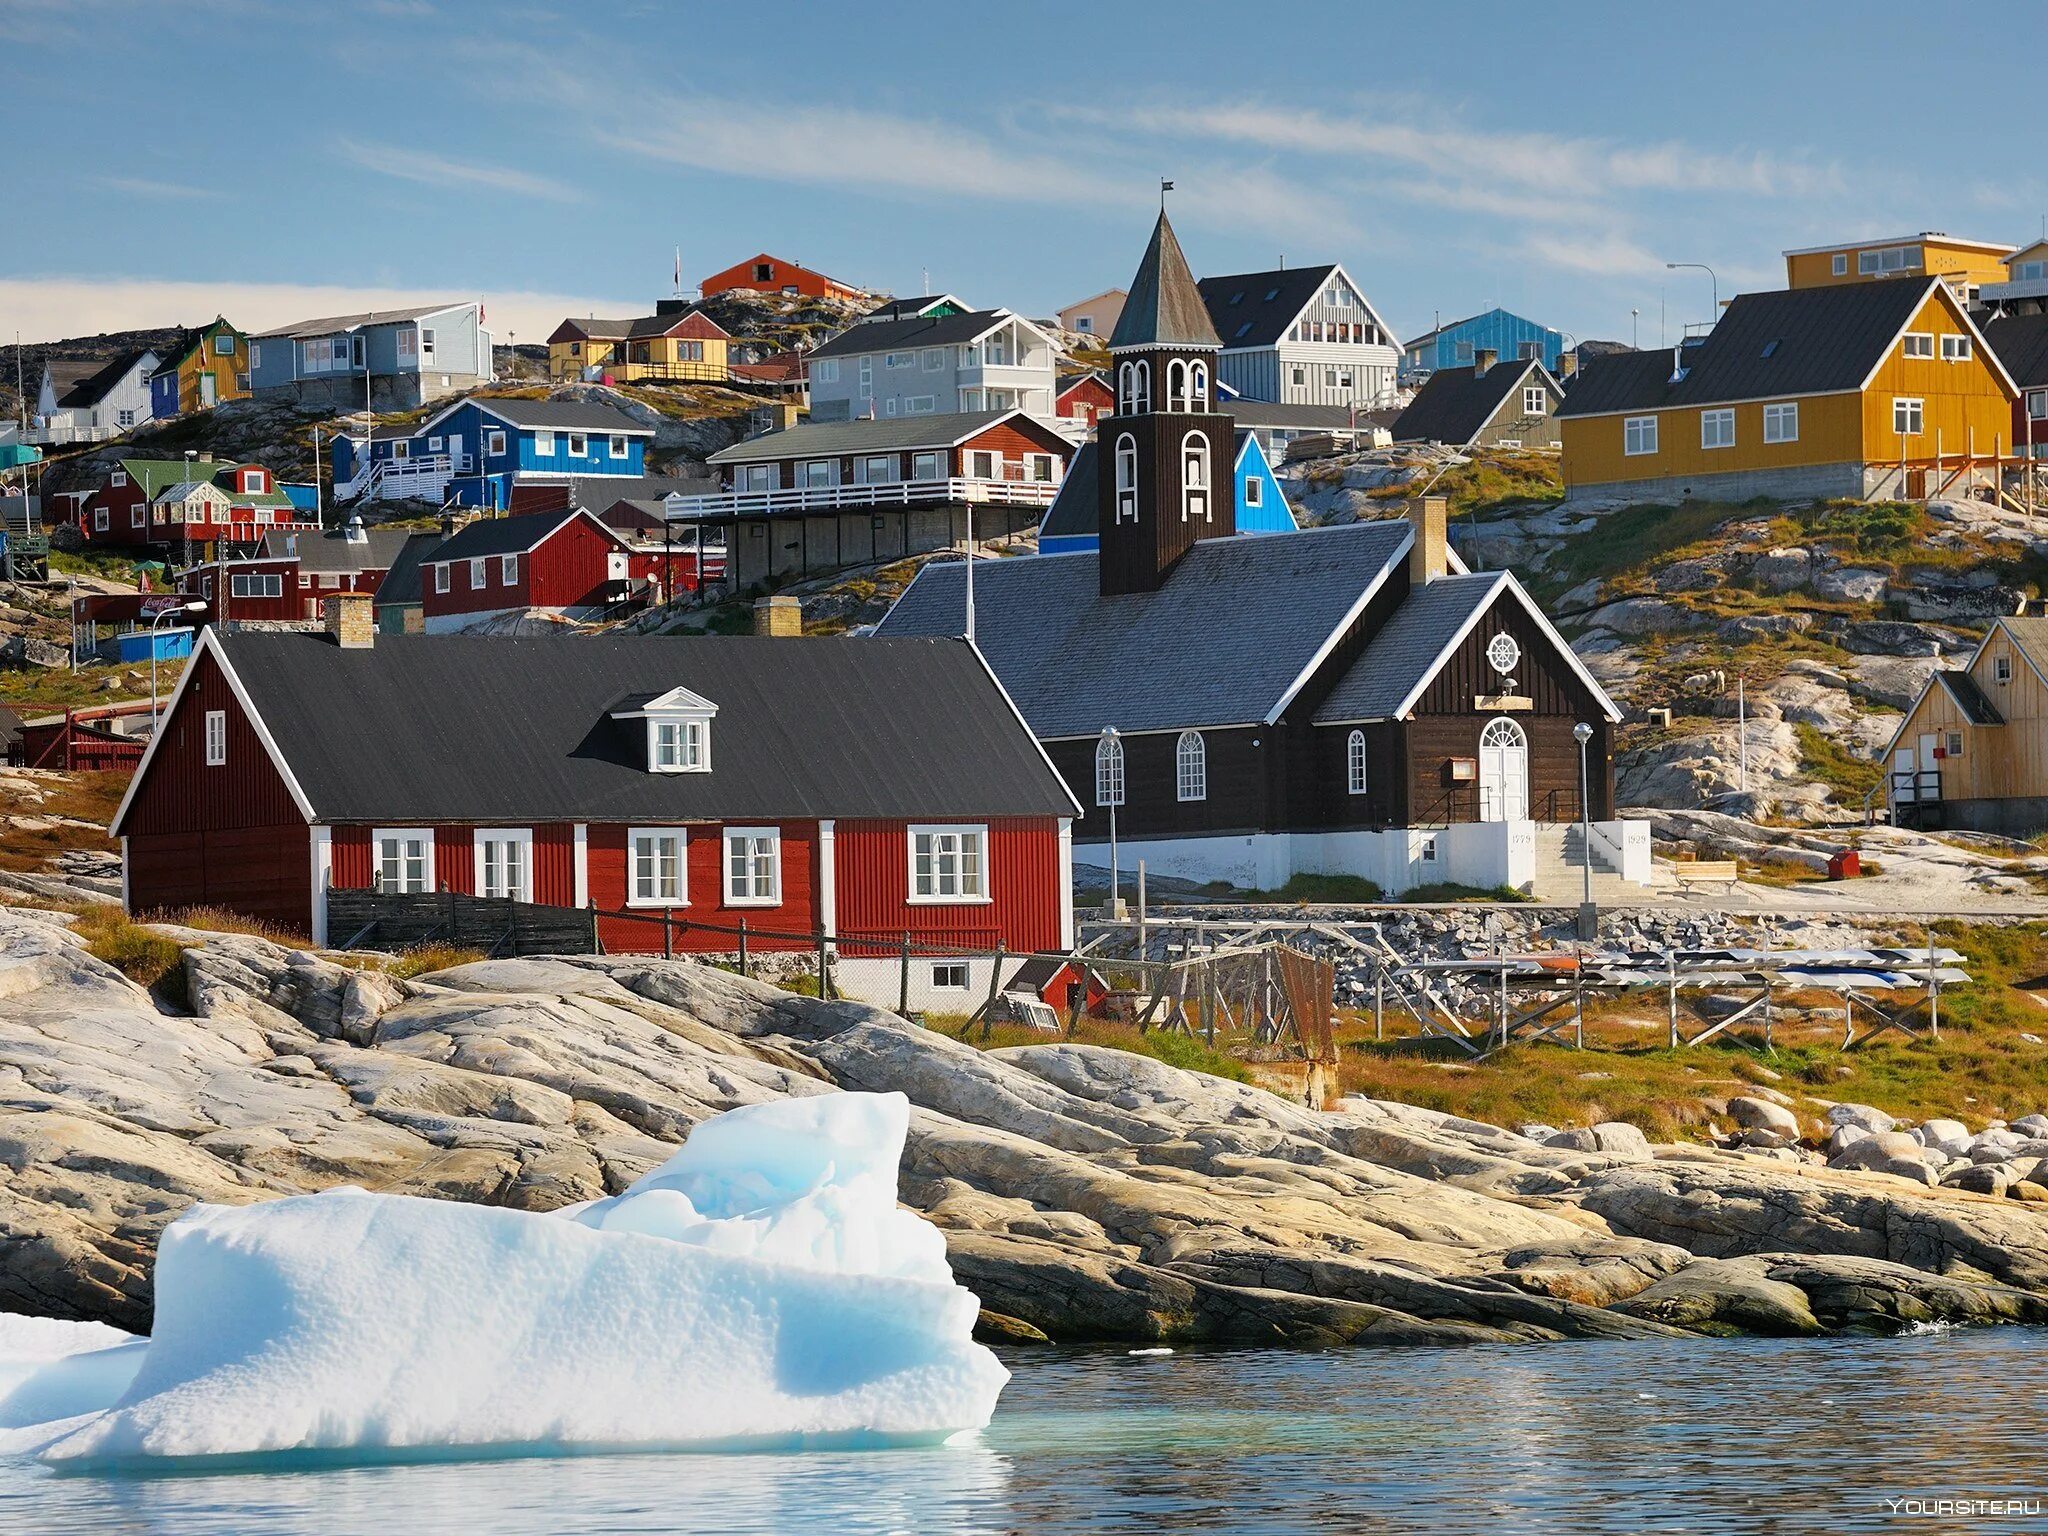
[1508, 336]
[1071, 523]
[475, 451]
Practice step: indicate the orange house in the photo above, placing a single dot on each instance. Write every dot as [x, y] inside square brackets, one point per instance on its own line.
[771, 274]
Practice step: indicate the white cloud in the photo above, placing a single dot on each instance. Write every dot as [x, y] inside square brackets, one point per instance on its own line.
[142, 186]
[439, 171]
[51, 308]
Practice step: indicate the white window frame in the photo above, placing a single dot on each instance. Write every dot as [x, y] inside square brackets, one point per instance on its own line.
[1254, 491]
[927, 466]
[1840, 264]
[1190, 768]
[727, 841]
[1712, 424]
[543, 440]
[827, 476]
[1126, 478]
[255, 355]
[379, 836]
[1954, 744]
[579, 445]
[508, 570]
[1109, 771]
[825, 370]
[968, 835]
[2037, 404]
[1534, 398]
[1195, 501]
[2001, 669]
[692, 742]
[1356, 770]
[656, 836]
[479, 573]
[1909, 415]
[1638, 436]
[216, 738]
[1917, 344]
[494, 441]
[1955, 348]
[618, 445]
[1781, 422]
[520, 838]
[443, 576]
[944, 973]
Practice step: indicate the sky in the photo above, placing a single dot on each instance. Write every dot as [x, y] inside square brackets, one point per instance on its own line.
[273, 160]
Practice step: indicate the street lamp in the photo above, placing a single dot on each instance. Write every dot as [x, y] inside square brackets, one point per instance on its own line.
[193, 607]
[1700, 266]
[1632, 346]
[1109, 793]
[1589, 917]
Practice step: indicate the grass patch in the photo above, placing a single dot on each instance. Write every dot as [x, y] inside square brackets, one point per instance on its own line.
[1176, 1050]
[1878, 527]
[1633, 538]
[1498, 480]
[34, 691]
[145, 957]
[221, 920]
[422, 959]
[76, 807]
[1450, 890]
[1336, 890]
[1826, 761]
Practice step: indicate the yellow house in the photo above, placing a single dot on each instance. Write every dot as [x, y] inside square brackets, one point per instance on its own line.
[208, 366]
[1966, 264]
[1865, 390]
[677, 342]
[1972, 752]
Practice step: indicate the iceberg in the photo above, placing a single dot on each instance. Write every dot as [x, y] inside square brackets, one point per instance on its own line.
[761, 1289]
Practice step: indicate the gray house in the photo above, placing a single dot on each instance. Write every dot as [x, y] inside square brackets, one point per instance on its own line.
[91, 402]
[933, 364]
[1301, 336]
[412, 356]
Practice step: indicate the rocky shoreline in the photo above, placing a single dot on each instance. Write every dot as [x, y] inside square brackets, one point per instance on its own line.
[1086, 1193]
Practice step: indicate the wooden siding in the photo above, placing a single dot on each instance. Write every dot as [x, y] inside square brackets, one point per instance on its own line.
[1998, 762]
[1816, 269]
[871, 860]
[1968, 407]
[568, 569]
[796, 915]
[1237, 801]
[1136, 557]
[228, 835]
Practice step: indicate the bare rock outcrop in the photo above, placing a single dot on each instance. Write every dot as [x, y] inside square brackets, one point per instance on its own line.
[1086, 1193]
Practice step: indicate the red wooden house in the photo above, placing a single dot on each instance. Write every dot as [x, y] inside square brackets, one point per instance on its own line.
[771, 274]
[864, 791]
[562, 561]
[285, 578]
[1084, 397]
[169, 503]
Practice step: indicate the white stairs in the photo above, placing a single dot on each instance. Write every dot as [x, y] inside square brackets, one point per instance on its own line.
[1560, 869]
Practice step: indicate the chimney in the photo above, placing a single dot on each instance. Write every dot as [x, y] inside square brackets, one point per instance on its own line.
[1482, 359]
[779, 616]
[1567, 364]
[1427, 559]
[664, 307]
[348, 620]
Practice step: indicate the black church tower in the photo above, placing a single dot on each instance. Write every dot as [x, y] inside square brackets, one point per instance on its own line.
[1165, 473]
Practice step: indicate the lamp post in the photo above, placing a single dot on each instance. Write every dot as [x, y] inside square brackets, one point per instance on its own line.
[1589, 915]
[194, 607]
[1109, 792]
[1700, 266]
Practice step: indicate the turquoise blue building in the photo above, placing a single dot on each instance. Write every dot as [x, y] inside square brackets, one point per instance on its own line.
[474, 451]
[1457, 345]
[1071, 524]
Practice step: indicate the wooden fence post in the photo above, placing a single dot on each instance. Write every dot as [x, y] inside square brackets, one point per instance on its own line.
[903, 981]
[743, 946]
[668, 934]
[995, 986]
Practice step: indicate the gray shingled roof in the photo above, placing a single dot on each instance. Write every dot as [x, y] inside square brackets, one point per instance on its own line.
[1970, 698]
[426, 728]
[504, 535]
[327, 325]
[2021, 342]
[1224, 640]
[1791, 341]
[1073, 510]
[1405, 650]
[1287, 415]
[1165, 307]
[1254, 309]
[332, 552]
[401, 584]
[563, 415]
[913, 332]
[887, 434]
[1457, 402]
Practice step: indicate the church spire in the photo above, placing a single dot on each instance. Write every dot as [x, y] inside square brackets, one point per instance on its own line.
[1165, 308]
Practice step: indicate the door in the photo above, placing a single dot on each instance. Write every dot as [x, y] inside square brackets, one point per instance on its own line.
[1503, 772]
[1927, 782]
[1902, 781]
[207, 386]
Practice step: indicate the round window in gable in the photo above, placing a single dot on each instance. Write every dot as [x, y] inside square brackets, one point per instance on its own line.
[1502, 653]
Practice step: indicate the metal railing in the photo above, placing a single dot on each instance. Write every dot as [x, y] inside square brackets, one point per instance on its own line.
[814, 498]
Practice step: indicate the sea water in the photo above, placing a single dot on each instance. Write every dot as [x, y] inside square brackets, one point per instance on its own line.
[1934, 1431]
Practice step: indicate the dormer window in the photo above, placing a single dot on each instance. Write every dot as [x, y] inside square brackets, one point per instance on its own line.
[678, 729]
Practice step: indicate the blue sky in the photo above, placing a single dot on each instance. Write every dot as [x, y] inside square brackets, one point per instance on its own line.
[273, 159]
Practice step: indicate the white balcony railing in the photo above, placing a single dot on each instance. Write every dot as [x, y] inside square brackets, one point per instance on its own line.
[893, 493]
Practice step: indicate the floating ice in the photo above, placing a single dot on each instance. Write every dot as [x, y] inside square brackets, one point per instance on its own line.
[761, 1288]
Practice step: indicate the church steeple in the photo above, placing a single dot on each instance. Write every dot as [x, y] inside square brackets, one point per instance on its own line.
[1166, 456]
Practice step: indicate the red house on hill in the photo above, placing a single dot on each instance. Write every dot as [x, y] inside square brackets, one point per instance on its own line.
[562, 561]
[201, 501]
[771, 274]
[642, 777]
[1084, 397]
[287, 576]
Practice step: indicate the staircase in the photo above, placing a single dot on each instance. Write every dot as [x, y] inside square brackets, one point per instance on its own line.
[1560, 869]
[422, 478]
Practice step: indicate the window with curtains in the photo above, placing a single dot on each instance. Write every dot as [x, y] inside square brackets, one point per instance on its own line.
[753, 866]
[657, 877]
[1191, 767]
[504, 863]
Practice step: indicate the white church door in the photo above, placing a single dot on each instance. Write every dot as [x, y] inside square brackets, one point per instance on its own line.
[1503, 772]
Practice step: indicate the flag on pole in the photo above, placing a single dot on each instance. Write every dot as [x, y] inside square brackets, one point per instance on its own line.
[679, 269]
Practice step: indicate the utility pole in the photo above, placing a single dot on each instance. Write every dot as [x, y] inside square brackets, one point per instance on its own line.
[1742, 727]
